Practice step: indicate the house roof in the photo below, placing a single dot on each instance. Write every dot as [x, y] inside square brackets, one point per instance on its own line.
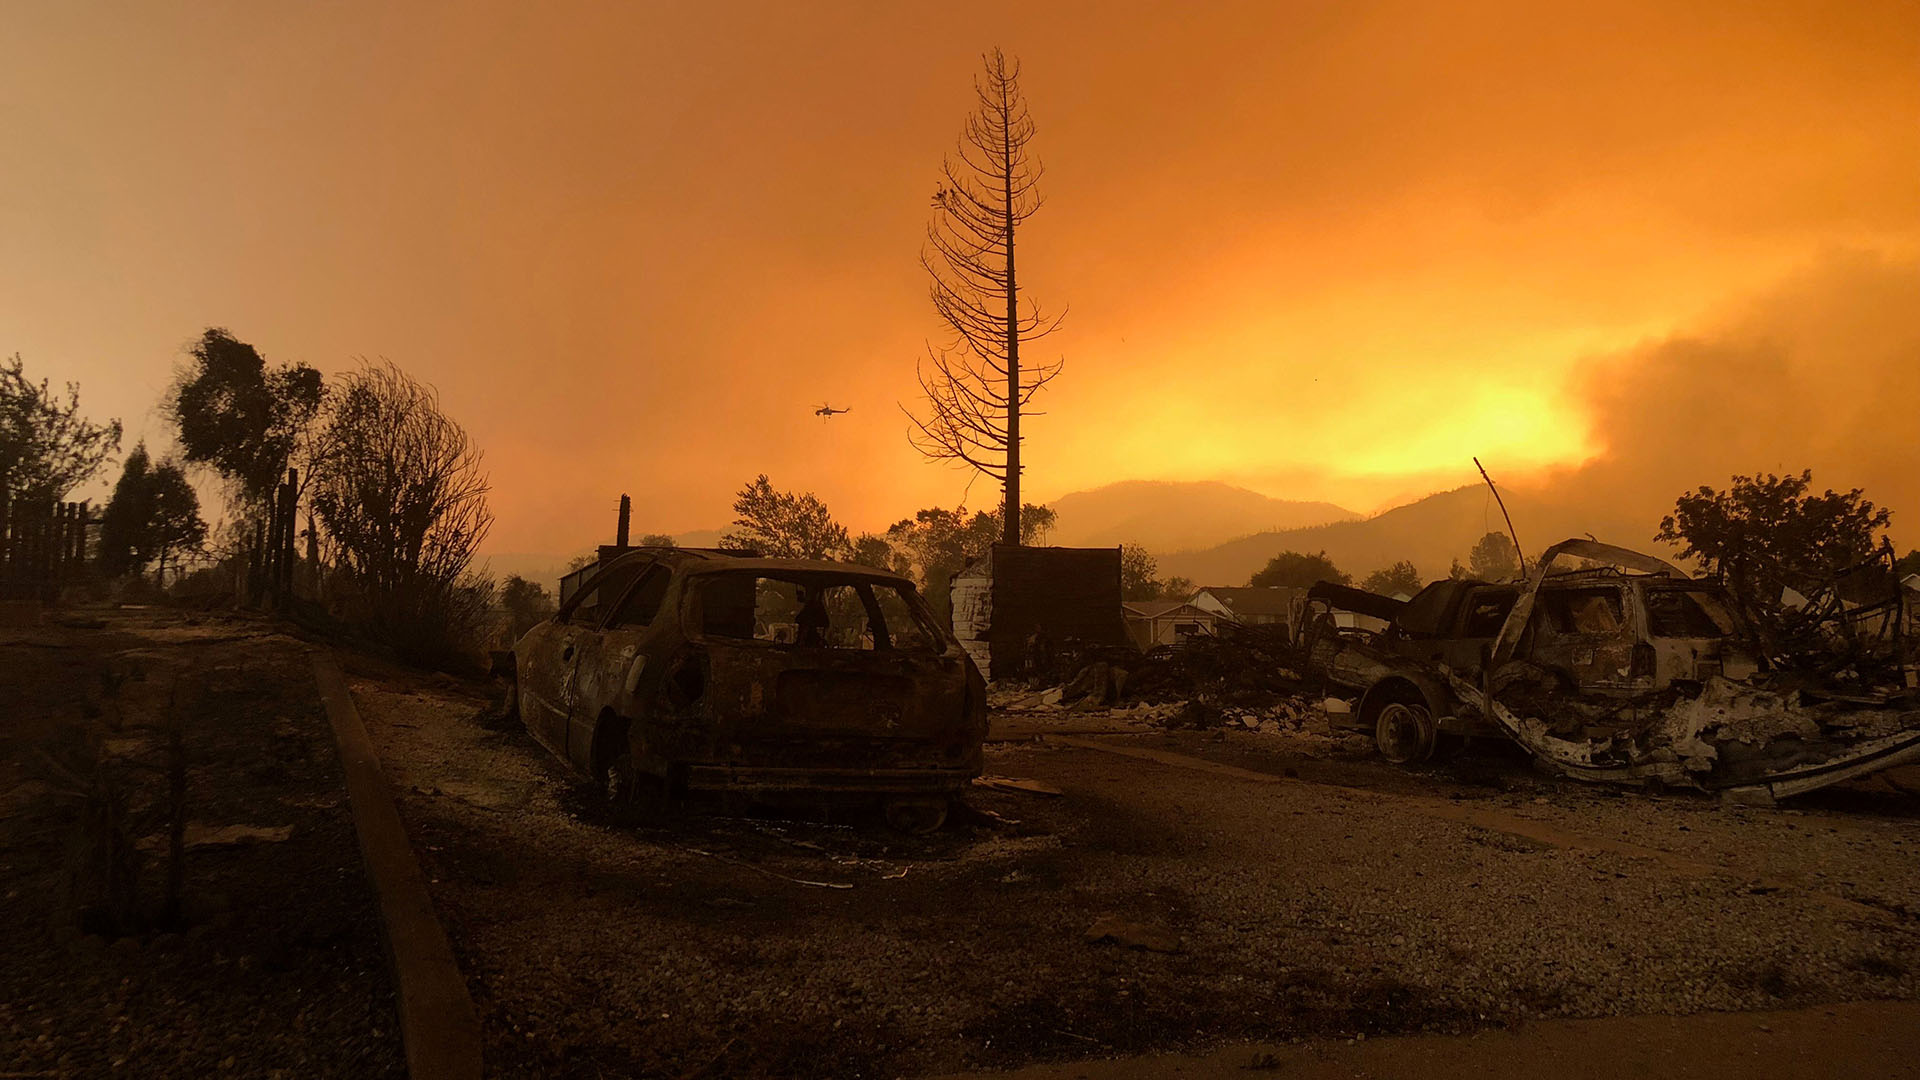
[1153, 609]
[1247, 600]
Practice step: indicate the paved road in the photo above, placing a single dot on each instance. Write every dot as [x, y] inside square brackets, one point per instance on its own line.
[1348, 898]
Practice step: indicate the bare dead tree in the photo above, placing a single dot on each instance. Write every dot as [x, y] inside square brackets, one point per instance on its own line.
[973, 383]
[403, 498]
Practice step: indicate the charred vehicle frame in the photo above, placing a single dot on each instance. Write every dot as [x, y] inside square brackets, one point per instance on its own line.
[1626, 670]
[678, 670]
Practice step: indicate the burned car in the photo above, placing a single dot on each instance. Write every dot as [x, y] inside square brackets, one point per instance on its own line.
[674, 670]
[1624, 669]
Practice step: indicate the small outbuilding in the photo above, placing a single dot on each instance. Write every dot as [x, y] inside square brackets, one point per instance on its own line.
[1067, 595]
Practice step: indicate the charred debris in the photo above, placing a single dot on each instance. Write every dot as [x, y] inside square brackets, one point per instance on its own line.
[1603, 663]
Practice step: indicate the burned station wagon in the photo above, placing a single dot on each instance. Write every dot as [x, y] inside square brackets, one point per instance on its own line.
[1624, 669]
[679, 670]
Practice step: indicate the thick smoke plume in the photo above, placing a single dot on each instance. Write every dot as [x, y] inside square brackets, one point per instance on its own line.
[1822, 372]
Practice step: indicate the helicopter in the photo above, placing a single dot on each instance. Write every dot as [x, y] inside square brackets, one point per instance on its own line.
[828, 412]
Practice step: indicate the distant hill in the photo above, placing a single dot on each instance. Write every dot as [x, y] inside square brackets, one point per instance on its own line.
[1165, 515]
[1430, 532]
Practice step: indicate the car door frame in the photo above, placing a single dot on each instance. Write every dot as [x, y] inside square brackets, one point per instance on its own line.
[560, 639]
[599, 690]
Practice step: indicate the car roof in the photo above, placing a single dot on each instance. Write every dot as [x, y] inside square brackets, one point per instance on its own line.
[713, 560]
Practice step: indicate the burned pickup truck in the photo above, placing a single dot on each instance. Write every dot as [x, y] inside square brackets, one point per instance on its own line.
[676, 670]
[1624, 670]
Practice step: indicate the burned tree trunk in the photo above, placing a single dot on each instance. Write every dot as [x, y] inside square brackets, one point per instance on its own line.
[973, 384]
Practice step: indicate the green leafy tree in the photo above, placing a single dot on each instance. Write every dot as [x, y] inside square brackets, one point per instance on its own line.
[1300, 571]
[46, 447]
[783, 525]
[1036, 523]
[154, 514]
[1767, 533]
[937, 543]
[871, 550]
[1908, 564]
[1178, 588]
[1494, 558]
[528, 604]
[240, 417]
[1137, 567]
[1456, 572]
[1401, 577]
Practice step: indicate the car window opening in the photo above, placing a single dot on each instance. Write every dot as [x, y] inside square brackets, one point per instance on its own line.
[643, 602]
[1687, 613]
[607, 586]
[1486, 613]
[1585, 611]
[808, 612]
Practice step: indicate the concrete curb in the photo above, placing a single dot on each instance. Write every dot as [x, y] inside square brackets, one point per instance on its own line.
[438, 1024]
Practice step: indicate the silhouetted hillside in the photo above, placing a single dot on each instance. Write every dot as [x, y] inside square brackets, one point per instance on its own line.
[1168, 516]
[1430, 532]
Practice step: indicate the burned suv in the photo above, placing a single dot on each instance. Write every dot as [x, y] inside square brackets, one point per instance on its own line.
[1623, 669]
[677, 670]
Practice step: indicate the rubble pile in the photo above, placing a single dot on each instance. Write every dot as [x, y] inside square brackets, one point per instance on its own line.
[1239, 680]
[1290, 715]
[1243, 666]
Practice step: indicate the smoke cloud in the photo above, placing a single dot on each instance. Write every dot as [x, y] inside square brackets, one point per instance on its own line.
[1820, 372]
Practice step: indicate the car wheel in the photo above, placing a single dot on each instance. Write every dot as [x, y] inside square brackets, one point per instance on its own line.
[628, 795]
[1404, 733]
[620, 788]
[916, 817]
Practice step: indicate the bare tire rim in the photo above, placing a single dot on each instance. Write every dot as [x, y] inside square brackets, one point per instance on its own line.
[617, 782]
[1404, 733]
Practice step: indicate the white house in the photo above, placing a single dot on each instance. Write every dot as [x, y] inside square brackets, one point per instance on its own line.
[1252, 605]
[1166, 622]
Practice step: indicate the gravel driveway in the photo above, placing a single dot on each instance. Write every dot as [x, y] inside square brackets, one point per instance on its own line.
[1305, 888]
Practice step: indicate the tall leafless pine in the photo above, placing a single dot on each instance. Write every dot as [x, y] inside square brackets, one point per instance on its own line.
[974, 386]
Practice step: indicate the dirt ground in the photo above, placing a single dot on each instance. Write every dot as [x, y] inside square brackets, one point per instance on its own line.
[275, 966]
[1303, 889]
[1300, 901]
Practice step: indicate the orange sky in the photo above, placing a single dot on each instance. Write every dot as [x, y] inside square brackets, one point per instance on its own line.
[1324, 250]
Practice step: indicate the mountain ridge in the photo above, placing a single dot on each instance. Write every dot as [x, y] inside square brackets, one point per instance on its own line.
[1430, 532]
[1178, 515]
